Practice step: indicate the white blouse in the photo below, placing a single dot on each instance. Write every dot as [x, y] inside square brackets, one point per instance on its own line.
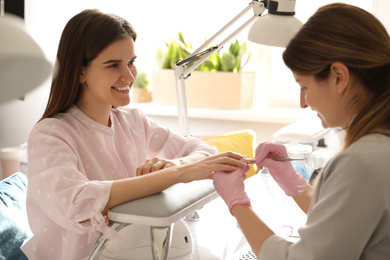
[72, 161]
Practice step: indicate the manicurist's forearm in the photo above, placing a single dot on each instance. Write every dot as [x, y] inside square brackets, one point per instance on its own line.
[304, 200]
[254, 229]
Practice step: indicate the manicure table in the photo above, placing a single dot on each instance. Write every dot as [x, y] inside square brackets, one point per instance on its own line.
[159, 211]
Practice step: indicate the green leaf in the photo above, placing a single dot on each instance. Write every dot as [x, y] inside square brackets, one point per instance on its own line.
[234, 48]
[233, 59]
[228, 60]
[160, 57]
[142, 80]
[169, 55]
[181, 39]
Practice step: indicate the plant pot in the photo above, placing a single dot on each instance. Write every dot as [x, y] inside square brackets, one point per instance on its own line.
[142, 95]
[223, 90]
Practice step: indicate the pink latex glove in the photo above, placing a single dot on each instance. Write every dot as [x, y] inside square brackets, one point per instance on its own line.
[283, 173]
[230, 186]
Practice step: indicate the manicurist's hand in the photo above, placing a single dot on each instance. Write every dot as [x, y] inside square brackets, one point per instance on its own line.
[230, 186]
[283, 173]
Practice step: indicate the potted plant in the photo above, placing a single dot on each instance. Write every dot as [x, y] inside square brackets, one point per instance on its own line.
[219, 76]
[141, 91]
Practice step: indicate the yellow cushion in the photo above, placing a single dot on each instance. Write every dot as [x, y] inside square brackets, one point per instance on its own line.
[242, 142]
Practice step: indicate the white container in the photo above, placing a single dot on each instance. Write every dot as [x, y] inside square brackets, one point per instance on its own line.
[320, 157]
[302, 151]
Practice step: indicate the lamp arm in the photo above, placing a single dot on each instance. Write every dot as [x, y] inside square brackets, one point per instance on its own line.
[216, 48]
[181, 73]
[258, 10]
[2, 7]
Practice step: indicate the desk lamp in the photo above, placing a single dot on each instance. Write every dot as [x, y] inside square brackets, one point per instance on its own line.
[275, 28]
[23, 64]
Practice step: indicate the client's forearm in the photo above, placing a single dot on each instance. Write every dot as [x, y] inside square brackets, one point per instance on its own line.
[190, 158]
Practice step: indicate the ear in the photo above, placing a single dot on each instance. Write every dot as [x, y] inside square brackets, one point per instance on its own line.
[340, 76]
[82, 75]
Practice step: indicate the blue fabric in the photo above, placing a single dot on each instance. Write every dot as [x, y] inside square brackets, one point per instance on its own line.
[14, 228]
[301, 170]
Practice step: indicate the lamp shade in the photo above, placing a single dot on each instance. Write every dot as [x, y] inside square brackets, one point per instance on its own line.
[274, 30]
[23, 64]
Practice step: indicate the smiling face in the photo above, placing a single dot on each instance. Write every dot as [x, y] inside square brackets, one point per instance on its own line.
[107, 81]
[327, 97]
[313, 94]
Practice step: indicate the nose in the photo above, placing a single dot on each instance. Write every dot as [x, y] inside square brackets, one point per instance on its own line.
[303, 103]
[129, 74]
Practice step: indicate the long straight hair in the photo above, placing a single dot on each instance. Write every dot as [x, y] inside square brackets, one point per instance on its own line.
[350, 35]
[84, 37]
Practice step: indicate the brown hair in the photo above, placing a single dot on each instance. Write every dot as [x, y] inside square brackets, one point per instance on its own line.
[350, 35]
[83, 38]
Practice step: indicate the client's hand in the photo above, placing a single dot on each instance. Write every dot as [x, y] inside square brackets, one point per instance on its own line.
[207, 166]
[283, 173]
[230, 186]
[154, 164]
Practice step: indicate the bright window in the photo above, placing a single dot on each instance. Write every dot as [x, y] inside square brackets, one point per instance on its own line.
[159, 21]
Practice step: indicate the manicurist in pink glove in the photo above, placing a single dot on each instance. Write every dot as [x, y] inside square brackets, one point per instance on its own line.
[291, 182]
[283, 173]
[341, 60]
[230, 186]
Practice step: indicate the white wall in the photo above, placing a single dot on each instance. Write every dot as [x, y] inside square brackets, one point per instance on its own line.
[18, 117]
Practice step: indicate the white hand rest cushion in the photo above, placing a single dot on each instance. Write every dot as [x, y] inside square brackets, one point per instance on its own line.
[167, 207]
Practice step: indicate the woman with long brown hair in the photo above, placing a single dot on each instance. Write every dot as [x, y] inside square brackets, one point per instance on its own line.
[341, 60]
[88, 153]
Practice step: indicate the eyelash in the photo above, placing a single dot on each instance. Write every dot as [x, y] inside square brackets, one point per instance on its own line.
[115, 65]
